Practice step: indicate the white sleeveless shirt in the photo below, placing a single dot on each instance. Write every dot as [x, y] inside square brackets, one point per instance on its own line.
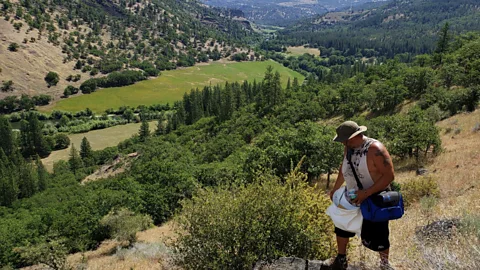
[359, 161]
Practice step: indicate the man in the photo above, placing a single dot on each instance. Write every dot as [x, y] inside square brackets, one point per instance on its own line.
[374, 168]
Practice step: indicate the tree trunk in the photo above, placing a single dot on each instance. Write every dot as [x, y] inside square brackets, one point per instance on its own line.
[328, 179]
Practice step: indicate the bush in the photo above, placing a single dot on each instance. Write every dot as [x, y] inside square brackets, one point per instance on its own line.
[70, 90]
[7, 86]
[13, 47]
[416, 188]
[233, 229]
[470, 224]
[124, 224]
[62, 141]
[103, 156]
[52, 78]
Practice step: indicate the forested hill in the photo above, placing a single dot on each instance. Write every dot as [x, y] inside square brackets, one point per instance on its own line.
[283, 12]
[102, 36]
[409, 26]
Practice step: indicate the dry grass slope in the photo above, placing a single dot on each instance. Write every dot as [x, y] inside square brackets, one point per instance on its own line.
[28, 66]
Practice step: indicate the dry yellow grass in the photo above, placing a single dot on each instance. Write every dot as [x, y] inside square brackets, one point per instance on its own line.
[300, 50]
[28, 66]
[107, 256]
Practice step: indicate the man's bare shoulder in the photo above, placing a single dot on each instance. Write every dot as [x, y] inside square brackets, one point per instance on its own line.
[380, 154]
[376, 146]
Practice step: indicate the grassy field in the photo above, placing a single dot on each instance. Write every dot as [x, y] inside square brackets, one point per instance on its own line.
[99, 139]
[171, 85]
[300, 50]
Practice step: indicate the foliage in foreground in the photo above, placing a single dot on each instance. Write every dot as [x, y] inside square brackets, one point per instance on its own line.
[234, 228]
[416, 188]
[124, 224]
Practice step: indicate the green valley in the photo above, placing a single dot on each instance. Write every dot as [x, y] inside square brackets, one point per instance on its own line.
[166, 134]
[171, 85]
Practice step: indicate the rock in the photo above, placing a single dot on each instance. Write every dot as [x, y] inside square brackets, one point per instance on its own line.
[437, 230]
[284, 263]
[317, 265]
[422, 171]
[292, 263]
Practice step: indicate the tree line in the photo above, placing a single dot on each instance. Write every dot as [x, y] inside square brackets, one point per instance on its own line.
[369, 33]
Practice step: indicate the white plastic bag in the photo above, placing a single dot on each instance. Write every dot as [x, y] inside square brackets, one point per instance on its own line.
[346, 217]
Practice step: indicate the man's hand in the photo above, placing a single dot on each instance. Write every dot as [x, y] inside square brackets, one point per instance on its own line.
[331, 193]
[361, 196]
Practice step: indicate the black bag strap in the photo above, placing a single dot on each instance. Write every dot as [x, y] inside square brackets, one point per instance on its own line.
[349, 159]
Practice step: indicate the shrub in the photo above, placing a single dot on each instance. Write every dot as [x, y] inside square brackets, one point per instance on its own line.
[476, 128]
[7, 86]
[416, 188]
[62, 141]
[470, 224]
[13, 47]
[52, 252]
[41, 100]
[52, 78]
[124, 224]
[234, 228]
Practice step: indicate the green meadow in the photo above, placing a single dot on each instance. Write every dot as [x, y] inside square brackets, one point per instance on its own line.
[99, 139]
[171, 85]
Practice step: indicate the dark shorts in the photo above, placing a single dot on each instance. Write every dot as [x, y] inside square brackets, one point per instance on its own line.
[374, 235]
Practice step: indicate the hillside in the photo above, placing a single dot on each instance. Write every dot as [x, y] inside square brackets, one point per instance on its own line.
[458, 175]
[397, 27]
[283, 13]
[92, 38]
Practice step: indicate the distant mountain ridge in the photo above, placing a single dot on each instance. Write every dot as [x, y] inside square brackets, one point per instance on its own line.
[284, 12]
[396, 27]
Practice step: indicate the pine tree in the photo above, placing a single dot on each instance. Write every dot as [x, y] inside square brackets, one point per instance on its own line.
[32, 139]
[442, 45]
[8, 183]
[169, 127]
[86, 152]
[295, 85]
[26, 143]
[42, 175]
[161, 127]
[75, 161]
[6, 141]
[85, 149]
[226, 105]
[144, 132]
[27, 181]
[277, 90]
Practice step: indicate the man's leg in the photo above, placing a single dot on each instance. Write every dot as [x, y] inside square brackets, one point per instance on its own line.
[384, 256]
[342, 244]
[375, 237]
[343, 237]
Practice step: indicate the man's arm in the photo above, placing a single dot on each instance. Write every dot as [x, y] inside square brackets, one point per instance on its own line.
[340, 179]
[383, 164]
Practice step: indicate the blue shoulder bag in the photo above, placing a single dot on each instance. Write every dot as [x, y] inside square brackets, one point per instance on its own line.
[383, 206]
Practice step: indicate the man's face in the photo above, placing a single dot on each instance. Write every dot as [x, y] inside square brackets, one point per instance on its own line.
[348, 143]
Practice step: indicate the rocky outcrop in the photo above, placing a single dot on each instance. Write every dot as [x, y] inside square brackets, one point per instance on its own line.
[292, 263]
